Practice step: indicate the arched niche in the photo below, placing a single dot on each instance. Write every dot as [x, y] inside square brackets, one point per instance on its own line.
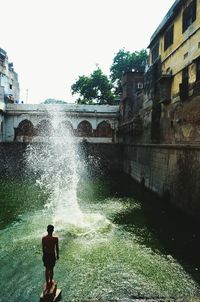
[104, 130]
[84, 129]
[24, 131]
[44, 128]
[64, 128]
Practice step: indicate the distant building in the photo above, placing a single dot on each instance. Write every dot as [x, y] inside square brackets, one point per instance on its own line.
[9, 88]
[130, 124]
[172, 81]
[9, 85]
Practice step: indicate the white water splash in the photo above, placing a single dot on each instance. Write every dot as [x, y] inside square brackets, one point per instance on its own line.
[58, 165]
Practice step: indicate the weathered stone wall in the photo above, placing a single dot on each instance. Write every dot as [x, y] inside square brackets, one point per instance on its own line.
[12, 159]
[171, 171]
[100, 157]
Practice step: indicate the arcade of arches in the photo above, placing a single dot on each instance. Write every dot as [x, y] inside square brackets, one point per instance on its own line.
[26, 130]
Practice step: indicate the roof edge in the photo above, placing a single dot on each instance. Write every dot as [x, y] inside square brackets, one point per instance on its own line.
[168, 17]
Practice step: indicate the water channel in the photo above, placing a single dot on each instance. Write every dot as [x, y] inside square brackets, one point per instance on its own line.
[116, 242]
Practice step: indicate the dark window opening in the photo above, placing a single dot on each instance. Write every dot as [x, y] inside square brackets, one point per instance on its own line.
[10, 86]
[185, 75]
[198, 69]
[189, 15]
[169, 37]
[155, 53]
[184, 86]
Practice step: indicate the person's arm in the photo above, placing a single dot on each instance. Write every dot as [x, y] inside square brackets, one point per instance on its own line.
[57, 249]
[43, 245]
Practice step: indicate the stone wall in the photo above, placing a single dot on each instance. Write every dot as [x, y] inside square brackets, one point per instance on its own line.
[171, 171]
[12, 159]
[101, 158]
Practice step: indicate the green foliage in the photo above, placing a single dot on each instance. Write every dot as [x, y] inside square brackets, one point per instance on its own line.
[98, 89]
[93, 89]
[125, 61]
[53, 101]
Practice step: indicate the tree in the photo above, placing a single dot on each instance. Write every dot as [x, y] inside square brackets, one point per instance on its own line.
[54, 101]
[93, 89]
[98, 89]
[126, 61]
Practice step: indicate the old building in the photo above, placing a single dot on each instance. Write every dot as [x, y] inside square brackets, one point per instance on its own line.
[171, 106]
[9, 88]
[164, 156]
[9, 85]
[130, 123]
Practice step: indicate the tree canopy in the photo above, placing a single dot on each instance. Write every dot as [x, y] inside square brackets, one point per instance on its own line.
[125, 61]
[97, 88]
[93, 89]
[54, 101]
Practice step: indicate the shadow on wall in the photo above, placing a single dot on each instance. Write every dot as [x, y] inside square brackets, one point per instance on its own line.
[186, 184]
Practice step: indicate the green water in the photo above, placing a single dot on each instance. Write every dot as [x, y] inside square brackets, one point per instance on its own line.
[119, 253]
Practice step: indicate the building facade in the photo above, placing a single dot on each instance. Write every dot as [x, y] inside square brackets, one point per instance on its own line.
[130, 123]
[164, 156]
[36, 122]
[9, 85]
[171, 107]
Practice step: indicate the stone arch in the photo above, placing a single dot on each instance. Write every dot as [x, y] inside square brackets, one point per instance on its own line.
[104, 129]
[44, 128]
[84, 129]
[65, 127]
[24, 131]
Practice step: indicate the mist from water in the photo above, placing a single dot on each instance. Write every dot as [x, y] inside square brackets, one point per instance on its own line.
[59, 166]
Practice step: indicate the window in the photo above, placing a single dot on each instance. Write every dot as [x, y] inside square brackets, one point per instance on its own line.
[155, 53]
[169, 37]
[189, 15]
[184, 86]
[10, 86]
[185, 75]
[139, 85]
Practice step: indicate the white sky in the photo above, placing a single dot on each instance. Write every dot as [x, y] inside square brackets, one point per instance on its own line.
[52, 42]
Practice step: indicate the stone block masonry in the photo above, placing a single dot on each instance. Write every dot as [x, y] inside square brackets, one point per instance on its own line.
[12, 159]
[101, 158]
[171, 171]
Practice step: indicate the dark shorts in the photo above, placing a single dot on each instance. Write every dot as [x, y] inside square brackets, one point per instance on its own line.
[49, 260]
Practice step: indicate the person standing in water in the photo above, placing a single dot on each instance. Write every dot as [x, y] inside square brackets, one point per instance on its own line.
[50, 250]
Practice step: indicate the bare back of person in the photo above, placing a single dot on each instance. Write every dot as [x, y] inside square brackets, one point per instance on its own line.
[49, 244]
[50, 250]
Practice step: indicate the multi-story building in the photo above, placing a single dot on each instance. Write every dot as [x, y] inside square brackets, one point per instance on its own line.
[9, 88]
[9, 85]
[172, 82]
